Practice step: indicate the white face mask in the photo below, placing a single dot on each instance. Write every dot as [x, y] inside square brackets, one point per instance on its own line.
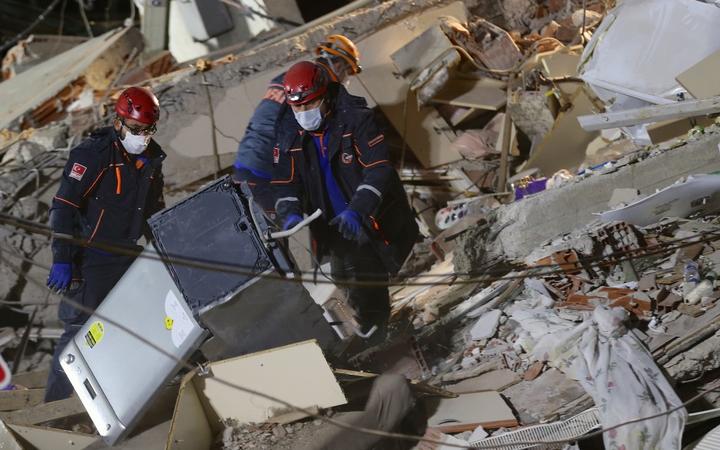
[135, 144]
[311, 119]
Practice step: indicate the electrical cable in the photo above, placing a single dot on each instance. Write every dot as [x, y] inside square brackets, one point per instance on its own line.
[233, 268]
[85, 19]
[26, 31]
[183, 363]
[61, 27]
[529, 272]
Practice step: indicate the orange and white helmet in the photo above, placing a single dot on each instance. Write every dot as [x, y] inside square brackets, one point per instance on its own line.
[339, 46]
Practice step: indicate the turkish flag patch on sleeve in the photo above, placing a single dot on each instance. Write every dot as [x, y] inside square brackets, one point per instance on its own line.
[77, 171]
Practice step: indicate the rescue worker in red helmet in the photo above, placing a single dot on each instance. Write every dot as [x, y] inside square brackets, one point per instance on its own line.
[339, 56]
[111, 184]
[330, 154]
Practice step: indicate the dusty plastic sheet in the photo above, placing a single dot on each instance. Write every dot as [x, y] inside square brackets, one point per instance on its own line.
[697, 193]
[619, 373]
[642, 45]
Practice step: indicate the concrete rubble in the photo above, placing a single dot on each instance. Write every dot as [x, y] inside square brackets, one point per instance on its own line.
[508, 187]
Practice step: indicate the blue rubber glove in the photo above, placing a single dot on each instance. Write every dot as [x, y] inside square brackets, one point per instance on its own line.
[291, 221]
[348, 223]
[60, 276]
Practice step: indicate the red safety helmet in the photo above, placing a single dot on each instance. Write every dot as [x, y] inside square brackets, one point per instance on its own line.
[138, 104]
[304, 82]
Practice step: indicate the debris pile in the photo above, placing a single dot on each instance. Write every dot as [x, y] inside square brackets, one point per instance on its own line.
[552, 250]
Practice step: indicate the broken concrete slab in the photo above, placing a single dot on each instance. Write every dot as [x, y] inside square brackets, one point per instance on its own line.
[23, 93]
[486, 326]
[562, 210]
[623, 196]
[547, 393]
[530, 112]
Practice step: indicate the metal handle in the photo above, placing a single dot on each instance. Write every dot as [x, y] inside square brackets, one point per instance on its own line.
[296, 228]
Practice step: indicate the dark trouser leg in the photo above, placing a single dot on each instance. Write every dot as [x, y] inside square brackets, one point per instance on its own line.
[351, 263]
[390, 401]
[100, 274]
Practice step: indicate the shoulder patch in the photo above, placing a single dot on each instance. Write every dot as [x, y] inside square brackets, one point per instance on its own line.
[77, 171]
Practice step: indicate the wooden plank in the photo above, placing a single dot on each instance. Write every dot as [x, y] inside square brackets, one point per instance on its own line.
[565, 145]
[471, 94]
[31, 380]
[43, 438]
[468, 411]
[649, 114]
[430, 145]
[701, 80]
[45, 412]
[20, 399]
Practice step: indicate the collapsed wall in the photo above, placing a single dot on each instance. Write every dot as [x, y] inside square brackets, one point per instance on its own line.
[520, 227]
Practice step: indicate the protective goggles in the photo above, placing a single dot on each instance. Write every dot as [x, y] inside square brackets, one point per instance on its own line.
[140, 131]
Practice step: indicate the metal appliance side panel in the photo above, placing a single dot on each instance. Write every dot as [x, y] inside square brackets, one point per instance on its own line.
[127, 370]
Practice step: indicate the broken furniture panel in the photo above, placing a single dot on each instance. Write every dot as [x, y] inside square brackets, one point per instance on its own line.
[468, 411]
[297, 374]
[426, 62]
[565, 145]
[478, 94]
[429, 143]
[44, 412]
[44, 438]
[670, 129]
[701, 80]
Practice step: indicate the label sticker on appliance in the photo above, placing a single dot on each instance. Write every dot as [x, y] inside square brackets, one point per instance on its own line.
[180, 323]
[94, 334]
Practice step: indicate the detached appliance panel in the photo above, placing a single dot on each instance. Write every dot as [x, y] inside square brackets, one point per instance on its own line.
[115, 374]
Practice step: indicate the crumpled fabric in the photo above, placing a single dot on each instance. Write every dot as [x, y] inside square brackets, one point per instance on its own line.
[620, 374]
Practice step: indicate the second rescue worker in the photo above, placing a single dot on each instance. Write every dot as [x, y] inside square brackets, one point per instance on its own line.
[332, 156]
[339, 56]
